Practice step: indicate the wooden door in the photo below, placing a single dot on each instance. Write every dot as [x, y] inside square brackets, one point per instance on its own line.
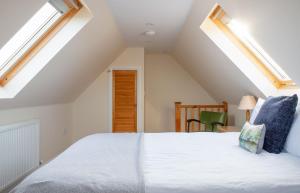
[124, 101]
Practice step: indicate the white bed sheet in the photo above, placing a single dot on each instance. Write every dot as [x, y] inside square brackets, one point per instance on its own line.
[214, 163]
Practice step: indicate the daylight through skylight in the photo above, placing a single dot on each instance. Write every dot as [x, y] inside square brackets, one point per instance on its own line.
[238, 34]
[241, 31]
[26, 37]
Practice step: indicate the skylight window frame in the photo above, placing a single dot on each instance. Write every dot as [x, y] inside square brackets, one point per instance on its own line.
[220, 18]
[40, 42]
[29, 40]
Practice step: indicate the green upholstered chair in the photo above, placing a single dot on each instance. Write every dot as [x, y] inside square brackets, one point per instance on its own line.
[210, 119]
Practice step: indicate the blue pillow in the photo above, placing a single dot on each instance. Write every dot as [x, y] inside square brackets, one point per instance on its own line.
[277, 113]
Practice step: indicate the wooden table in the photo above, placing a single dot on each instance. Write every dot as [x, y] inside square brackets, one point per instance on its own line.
[223, 129]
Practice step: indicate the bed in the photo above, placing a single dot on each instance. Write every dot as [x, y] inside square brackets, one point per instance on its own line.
[164, 163]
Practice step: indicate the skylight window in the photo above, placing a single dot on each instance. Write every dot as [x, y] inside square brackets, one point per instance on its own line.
[240, 36]
[241, 31]
[32, 36]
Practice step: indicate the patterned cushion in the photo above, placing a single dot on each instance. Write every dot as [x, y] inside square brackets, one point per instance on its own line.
[277, 113]
[252, 137]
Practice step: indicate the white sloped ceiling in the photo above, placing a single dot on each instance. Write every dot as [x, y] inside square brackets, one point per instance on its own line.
[164, 17]
[14, 14]
[76, 65]
[274, 24]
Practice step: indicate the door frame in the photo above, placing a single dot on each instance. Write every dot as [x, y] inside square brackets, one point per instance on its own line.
[139, 95]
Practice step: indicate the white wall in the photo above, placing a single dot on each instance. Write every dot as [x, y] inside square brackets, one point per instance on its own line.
[167, 82]
[90, 111]
[55, 126]
[236, 117]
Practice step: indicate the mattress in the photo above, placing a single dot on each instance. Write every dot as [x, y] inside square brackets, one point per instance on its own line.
[164, 163]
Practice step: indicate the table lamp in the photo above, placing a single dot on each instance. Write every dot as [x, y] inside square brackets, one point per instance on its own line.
[247, 103]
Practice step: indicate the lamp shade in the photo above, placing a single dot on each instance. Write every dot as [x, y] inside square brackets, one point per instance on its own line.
[247, 103]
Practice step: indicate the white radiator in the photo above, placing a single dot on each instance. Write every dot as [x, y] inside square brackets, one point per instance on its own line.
[19, 151]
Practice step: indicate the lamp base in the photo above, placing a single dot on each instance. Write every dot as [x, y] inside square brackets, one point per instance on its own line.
[248, 115]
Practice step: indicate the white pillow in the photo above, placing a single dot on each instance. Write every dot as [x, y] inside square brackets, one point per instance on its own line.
[256, 110]
[292, 144]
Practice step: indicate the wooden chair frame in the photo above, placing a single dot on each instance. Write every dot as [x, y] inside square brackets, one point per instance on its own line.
[179, 108]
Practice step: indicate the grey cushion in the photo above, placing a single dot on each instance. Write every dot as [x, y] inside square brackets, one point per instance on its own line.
[277, 113]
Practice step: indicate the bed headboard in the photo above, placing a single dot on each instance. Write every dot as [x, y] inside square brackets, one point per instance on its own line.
[194, 111]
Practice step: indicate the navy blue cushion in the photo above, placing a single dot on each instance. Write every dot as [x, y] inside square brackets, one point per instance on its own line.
[277, 113]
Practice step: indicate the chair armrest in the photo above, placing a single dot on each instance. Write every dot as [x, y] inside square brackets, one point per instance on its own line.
[195, 120]
[191, 120]
[213, 124]
[217, 123]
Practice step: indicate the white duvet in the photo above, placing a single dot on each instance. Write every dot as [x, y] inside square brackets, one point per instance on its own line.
[164, 163]
[101, 163]
[214, 163]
